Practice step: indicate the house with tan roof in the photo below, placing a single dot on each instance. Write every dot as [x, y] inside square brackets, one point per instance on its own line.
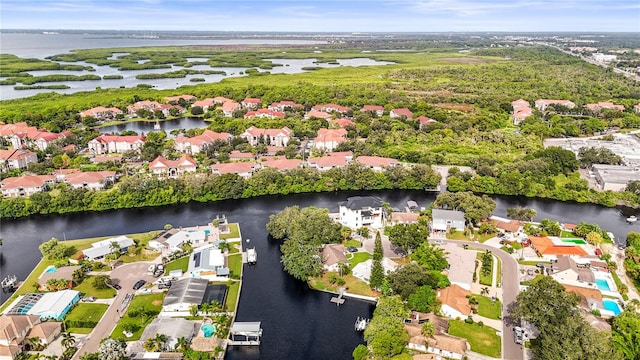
[282, 164]
[542, 104]
[13, 159]
[64, 272]
[590, 299]
[206, 104]
[454, 300]
[229, 107]
[378, 110]
[251, 103]
[194, 145]
[175, 99]
[264, 113]
[331, 160]
[329, 108]
[104, 143]
[92, 180]
[377, 163]
[285, 105]
[332, 256]
[173, 168]
[441, 344]
[550, 249]
[16, 329]
[242, 169]
[506, 225]
[273, 137]
[403, 218]
[329, 139]
[568, 271]
[101, 113]
[317, 114]
[26, 185]
[401, 113]
[604, 105]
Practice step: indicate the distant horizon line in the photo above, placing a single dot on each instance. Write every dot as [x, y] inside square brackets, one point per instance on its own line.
[334, 32]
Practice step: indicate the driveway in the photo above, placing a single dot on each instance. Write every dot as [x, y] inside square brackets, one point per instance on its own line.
[510, 289]
[125, 275]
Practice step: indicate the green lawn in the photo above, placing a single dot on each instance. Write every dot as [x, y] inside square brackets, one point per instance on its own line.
[179, 264]
[483, 339]
[151, 302]
[232, 296]
[616, 279]
[457, 235]
[87, 288]
[28, 285]
[235, 265]
[499, 275]
[488, 308]
[85, 311]
[567, 234]
[351, 242]
[233, 233]
[358, 258]
[532, 263]
[485, 279]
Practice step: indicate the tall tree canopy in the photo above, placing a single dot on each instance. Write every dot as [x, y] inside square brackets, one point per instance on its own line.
[475, 207]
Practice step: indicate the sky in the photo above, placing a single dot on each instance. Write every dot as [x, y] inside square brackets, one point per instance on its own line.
[324, 16]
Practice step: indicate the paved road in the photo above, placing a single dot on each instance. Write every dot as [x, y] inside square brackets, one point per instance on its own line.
[510, 289]
[125, 275]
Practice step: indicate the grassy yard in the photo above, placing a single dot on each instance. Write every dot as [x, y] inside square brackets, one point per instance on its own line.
[85, 311]
[235, 265]
[28, 285]
[233, 233]
[81, 244]
[351, 242]
[483, 339]
[485, 279]
[179, 264]
[232, 296]
[618, 282]
[151, 302]
[358, 258]
[352, 284]
[87, 288]
[532, 263]
[567, 234]
[459, 235]
[488, 308]
[499, 275]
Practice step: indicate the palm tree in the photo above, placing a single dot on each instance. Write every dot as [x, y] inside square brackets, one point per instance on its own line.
[473, 302]
[427, 329]
[484, 291]
[77, 275]
[205, 308]
[182, 344]
[34, 342]
[216, 307]
[68, 340]
[193, 310]
[160, 340]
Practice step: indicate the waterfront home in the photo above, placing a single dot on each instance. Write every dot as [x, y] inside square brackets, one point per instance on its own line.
[362, 270]
[333, 256]
[264, 113]
[597, 107]
[15, 330]
[329, 139]
[360, 211]
[48, 306]
[402, 113]
[242, 169]
[251, 103]
[229, 107]
[183, 294]
[567, 271]
[455, 301]
[205, 104]
[14, 159]
[194, 145]
[100, 249]
[445, 220]
[92, 180]
[403, 218]
[376, 163]
[341, 123]
[615, 177]
[176, 239]
[317, 114]
[440, 343]
[173, 168]
[461, 268]
[208, 262]
[273, 137]
[285, 105]
[25, 185]
[329, 108]
[424, 121]
[101, 113]
[377, 110]
[176, 99]
[331, 160]
[52, 272]
[104, 144]
[147, 105]
[282, 164]
[542, 104]
[511, 227]
[172, 328]
[550, 248]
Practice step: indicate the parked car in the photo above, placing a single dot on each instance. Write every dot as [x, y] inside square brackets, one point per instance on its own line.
[139, 284]
[352, 249]
[518, 335]
[501, 235]
[164, 285]
[116, 286]
[88, 299]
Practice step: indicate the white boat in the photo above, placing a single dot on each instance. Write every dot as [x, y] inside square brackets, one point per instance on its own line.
[632, 219]
[361, 323]
[157, 126]
[252, 256]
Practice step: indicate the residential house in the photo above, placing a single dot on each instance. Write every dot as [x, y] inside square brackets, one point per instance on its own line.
[101, 113]
[362, 270]
[329, 108]
[604, 105]
[229, 107]
[445, 220]
[440, 343]
[173, 328]
[208, 262]
[330, 161]
[13, 159]
[165, 109]
[273, 137]
[329, 139]
[341, 123]
[285, 105]
[242, 169]
[403, 218]
[317, 114]
[568, 271]
[521, 111]
[550, 249]
[590, 299]
[100, 249]
[282, 164]
[264, 113]
[360, 211]
[333, 256]
[219, 100]
[402, 113]
[48, 306]
[542, 104]
[196, 144]
[206, 104]
[21, 135]
[147, 105]
[16, 329]
[176, 99]
[251, 103]
[25, 185]
[173, 168]
[92, 180]
[425, 121]
[376, 163]
[64, 272]
[511, 227]
[455, 301]
[375, 109]
[172, 241]
[104, 144]
[183, 294]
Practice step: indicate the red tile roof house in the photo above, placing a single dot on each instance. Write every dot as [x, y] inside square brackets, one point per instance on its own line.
[341, 123]
[331, 161]
[273, 137]
[194, 145]
[204, 104]
[636, 108]
[175, 99]
[455, 303]
[317, 114]
[166, 109]
[92, 180]
[21, 134]
[16, 159]
[221, 100]
[26, 185]
[229, 107]
[550, 250]
[332, 108]
[173, 168]
[542, 104]
[604, 105]
[376, 163]
[400, 113]
[242, 169]
[375, 109]
[251, 103]
[282, 164]
[144, 104]
[101, 113]
[425, 121]
[329, 139]
[285, 105]
[16, 329]
[264, 113]
[104, 144]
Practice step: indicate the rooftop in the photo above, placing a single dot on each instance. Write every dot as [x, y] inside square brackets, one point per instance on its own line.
[362, 202]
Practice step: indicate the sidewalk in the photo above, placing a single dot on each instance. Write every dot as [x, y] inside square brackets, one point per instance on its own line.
[618, 256]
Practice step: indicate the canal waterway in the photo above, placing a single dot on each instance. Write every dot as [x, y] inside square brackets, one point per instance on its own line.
[298, 323]
[140, 127]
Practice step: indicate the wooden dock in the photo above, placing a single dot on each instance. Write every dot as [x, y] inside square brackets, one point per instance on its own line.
[338, 300]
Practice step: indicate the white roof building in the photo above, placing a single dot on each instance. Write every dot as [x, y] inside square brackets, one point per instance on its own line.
[55, 305]
[362, 270]
[100, 249]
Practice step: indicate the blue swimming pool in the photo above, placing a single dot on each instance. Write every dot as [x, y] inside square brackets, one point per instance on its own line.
[612, 306]
[208, 330]
[50, 269]
[603, 284]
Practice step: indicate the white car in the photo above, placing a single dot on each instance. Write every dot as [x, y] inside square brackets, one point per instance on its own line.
[518, 335]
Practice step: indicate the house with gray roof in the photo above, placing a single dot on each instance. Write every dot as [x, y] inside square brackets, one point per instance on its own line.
[361, 211]
[445, 220]
[172, 328]
[100, 249]
[191, 291]
[208, 262]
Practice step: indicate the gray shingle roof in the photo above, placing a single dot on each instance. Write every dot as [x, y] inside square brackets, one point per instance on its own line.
[360, 202]
[190, 290]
